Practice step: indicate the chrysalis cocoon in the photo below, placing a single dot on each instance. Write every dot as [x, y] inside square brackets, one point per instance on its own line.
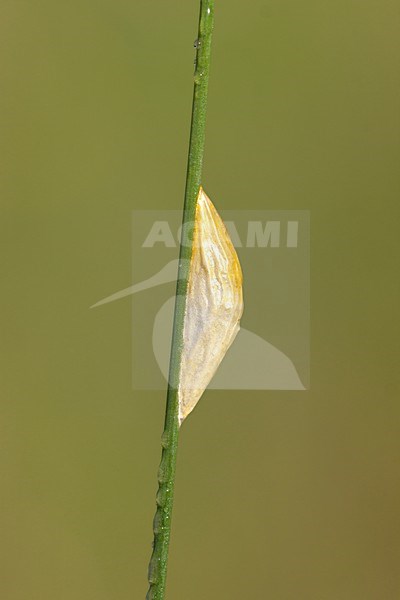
[214, 304]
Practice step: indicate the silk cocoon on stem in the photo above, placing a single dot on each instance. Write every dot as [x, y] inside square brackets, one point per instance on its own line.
[214, 304]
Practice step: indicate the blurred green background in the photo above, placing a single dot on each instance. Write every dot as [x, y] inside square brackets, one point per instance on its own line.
[279, 495]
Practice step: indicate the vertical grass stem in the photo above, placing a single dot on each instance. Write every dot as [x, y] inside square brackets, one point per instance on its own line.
[166, 473]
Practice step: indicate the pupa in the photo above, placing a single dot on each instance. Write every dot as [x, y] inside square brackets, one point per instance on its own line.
[214, 304]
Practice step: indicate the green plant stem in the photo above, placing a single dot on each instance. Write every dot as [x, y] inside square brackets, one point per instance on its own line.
[166, 473]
